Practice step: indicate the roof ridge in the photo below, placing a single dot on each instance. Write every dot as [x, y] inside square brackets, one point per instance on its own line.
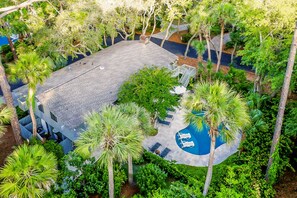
[63, 83]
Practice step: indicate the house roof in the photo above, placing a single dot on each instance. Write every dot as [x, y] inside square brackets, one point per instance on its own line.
[86, 85]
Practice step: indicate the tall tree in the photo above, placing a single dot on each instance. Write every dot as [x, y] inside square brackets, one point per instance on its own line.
[33, 70]
[144, 128]
[283, 101]
[113, 135]
[174, 9]
[7, 8]
[5, 87]
[28, 172]
[224, 12]
[223, 108]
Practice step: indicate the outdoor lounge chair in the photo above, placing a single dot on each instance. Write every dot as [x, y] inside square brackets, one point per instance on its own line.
[184, 135]
[155, 147]
[171, 109]
[164, 122]
[187, 144]
[165, 152]
[169, 116]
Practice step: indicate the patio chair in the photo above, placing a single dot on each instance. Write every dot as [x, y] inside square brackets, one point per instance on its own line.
[171, 109]
[169, 116]
[155, 147]
[184, 135]
[164, 122]
[165, 152]
[187, 144]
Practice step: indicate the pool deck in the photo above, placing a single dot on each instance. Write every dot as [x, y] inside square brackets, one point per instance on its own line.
[166, 137]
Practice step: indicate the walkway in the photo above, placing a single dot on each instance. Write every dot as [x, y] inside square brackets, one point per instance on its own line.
[172, 30]
[166, 137]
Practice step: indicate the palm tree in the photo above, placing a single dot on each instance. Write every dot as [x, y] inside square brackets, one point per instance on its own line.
[199, 46]
[144, 128]
[5, 116]
[29, 172]
[112, 134]
[5, 87]
[222, 107]
[33, 70]
[283, 101]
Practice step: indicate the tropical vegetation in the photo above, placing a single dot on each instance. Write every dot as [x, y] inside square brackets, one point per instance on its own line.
[53, 33]
[28, 172]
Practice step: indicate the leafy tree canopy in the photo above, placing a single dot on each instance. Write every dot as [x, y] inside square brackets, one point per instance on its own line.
[150, 88]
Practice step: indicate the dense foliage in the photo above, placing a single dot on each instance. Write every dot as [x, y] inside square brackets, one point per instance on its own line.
[28, 172]
[150, 88]
[150, 177]
[81, 177]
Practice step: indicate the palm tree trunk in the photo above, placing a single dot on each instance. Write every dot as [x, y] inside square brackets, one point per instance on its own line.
[31, 111]
[283, 101]
[130, 169]
[112, 40]
[208, 47]
[15, 57]
[167, 33]
[110, 178]
[188, 45]
[9, 102]
[210, 165]
[154, 27]
[104, 39]
[221, 47]
[233, 52]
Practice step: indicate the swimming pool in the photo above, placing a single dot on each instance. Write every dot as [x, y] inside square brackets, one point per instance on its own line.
[200, 138]
[3, 40]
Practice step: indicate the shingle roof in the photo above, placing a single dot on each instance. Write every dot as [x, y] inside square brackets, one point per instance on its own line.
[85, 86]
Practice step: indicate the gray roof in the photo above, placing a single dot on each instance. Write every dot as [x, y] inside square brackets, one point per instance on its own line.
[85, 86]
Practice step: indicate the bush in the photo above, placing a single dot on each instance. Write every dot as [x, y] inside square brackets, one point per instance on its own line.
[150, 88]
[5, 49]
[55, 148]
[90, 178]
[177, 189]
[150, 177]
[167, 166]
[9, 57]
[186, 37]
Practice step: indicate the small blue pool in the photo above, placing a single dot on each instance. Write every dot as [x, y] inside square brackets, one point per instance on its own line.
[200, 138]
[3, 41]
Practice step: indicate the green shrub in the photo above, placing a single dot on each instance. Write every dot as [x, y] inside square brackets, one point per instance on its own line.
[186, 37]
[150, 177]
[5, 49]
[177, 189]
[166, 166]
[87, 178]
[9, 57]
[150, 88]
[55, 148]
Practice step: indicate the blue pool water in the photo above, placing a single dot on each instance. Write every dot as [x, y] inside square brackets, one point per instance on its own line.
[200, 138]
[3, 40]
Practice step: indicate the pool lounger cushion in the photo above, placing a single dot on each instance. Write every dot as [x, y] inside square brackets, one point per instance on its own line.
[155, 147]
[164, 122]
[165, 152]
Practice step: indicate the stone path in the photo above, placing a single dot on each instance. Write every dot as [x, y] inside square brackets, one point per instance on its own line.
[172, 30]
[216, 41]
[166, 137]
